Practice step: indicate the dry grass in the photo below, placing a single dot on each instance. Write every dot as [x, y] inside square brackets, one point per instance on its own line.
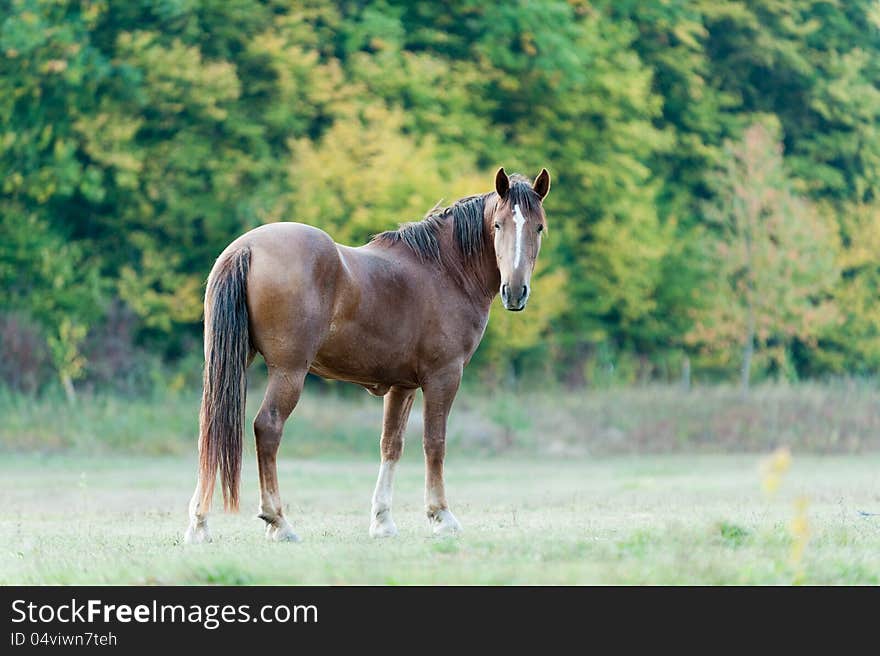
[840, 418]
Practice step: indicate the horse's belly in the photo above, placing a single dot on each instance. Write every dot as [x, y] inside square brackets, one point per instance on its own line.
[374, 388]
[369, 367]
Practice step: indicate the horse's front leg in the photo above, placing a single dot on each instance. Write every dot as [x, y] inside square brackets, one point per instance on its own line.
[439, 393]
[398, 402]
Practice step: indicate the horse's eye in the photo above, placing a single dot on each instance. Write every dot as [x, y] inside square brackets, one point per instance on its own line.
[540, 228]
[498, 226]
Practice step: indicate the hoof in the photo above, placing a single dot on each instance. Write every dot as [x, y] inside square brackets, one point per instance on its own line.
[443, 523]
[282, 533]
[197, 534]
[383, 526]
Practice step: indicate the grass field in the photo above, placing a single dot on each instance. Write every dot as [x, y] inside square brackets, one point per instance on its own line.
[671, 519]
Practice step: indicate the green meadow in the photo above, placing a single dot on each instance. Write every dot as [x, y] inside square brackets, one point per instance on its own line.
[107, 504]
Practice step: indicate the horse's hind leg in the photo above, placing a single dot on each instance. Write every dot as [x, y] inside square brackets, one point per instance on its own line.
[197, 531]
[281, 398]
[398, 402]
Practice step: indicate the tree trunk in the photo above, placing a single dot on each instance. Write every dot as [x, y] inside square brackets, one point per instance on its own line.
[69, 390]
[645, 369]
[686, 374]
[575, 373]
[748, 352]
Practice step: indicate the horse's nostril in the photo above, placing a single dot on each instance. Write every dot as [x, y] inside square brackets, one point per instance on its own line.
[505, 290]
[525, 291]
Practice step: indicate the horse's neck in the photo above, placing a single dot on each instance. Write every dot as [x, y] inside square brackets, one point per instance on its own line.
[482, 278]
[489, 275]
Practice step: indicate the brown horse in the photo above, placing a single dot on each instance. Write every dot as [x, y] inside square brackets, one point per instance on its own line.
[403, 312]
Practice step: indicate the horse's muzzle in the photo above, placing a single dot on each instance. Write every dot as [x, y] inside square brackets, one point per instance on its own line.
[514, 301]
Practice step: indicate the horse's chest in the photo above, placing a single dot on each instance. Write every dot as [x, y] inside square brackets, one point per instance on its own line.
[474, 336]
[454, 336]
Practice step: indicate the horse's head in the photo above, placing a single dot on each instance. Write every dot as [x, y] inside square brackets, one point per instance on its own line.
[518, 224]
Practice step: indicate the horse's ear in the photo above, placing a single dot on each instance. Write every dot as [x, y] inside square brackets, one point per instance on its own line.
[502, 183]
[542, 184]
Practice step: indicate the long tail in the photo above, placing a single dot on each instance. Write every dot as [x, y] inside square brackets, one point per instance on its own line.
[227, 346]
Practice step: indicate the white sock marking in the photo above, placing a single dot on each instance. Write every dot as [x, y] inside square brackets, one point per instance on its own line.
[384, 486]
[520, 221]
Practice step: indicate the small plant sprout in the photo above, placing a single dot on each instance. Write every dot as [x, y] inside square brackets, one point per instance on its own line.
[773, 468]
[800, 533]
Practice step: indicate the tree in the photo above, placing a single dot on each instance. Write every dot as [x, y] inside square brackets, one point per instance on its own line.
[138, 138]
[852, 343]
[776, 258]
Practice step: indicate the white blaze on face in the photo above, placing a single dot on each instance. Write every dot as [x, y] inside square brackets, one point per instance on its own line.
[520, 221]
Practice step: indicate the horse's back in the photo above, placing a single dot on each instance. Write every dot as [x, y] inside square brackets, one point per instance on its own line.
[285, 240]
[368, 314]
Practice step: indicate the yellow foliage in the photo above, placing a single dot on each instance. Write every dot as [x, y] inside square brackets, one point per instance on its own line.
[179, 71]
[158, 292]
[858, 289]
[365, 176]
[69, 362]
[108, 139]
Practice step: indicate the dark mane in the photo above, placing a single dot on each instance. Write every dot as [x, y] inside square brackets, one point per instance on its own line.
[422, 237]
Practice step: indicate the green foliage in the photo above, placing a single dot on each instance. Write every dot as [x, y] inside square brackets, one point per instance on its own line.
[137, 139]
[733, 535]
